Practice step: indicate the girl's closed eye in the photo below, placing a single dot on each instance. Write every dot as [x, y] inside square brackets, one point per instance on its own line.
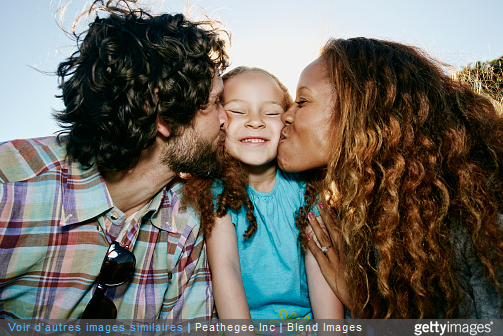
[273, 113]
[235, 111]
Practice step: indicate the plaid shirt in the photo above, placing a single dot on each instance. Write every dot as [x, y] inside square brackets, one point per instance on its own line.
[56, 223]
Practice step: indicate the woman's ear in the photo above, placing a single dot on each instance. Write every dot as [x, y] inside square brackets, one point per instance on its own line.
[163, 128]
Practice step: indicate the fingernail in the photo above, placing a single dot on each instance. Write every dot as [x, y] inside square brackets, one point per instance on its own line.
[320, 204]
[308, 237]
[310, 215]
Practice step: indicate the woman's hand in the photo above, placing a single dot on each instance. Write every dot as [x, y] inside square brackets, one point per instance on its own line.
[329, 253]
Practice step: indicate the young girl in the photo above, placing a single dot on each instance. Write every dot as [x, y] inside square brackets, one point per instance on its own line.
[259, 270]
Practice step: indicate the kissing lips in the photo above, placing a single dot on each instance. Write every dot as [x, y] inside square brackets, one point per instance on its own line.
[282, 136]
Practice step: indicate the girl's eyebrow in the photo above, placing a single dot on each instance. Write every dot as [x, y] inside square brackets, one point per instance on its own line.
[269, 102]
[272, 102]
[242, 101]
[245, 101]
[236, 100]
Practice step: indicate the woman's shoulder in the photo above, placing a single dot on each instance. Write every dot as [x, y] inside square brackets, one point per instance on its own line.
[483, 300]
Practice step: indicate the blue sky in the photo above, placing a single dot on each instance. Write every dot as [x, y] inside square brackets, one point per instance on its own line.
[279, 35]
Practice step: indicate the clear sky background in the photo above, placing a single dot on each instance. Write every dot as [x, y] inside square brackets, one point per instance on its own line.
[282, 36]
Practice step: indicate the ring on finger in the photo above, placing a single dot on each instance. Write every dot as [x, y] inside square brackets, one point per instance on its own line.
[324, 249]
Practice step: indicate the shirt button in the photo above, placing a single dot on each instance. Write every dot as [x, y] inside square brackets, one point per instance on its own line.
[114, 216]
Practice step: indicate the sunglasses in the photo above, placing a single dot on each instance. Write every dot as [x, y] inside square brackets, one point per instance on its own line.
[117, 268]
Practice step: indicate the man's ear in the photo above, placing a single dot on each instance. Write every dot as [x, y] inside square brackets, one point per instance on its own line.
[162, 127]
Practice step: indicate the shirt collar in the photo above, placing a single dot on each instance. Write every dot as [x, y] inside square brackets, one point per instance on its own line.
[170, 215]
[85, 195]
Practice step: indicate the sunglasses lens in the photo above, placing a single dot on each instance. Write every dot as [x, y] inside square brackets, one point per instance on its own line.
[100, 307]
[117, 267]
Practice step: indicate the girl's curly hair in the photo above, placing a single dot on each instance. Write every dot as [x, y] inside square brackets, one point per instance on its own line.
[130, 68]
[199, 193]
[417, 158]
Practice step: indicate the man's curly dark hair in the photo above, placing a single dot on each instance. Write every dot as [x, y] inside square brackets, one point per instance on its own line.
[131, 67]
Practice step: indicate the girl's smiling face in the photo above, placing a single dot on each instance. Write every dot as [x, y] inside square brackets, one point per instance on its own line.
[254, 103]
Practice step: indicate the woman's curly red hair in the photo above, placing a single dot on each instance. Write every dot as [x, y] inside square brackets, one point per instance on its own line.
[417, 156]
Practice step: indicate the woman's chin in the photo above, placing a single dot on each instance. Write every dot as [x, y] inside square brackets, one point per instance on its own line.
[288, 165]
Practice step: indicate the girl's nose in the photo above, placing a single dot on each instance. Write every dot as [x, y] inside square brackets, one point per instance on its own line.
[255, 122]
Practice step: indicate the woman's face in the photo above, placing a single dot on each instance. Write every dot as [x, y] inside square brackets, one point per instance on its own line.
[306, 139]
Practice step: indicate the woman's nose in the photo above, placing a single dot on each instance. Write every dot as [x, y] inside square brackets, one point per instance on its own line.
[287, 117]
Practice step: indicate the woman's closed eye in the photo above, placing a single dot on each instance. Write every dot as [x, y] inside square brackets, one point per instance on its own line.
[300, 102]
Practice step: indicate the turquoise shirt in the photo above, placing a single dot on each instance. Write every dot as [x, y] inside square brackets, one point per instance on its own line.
[272, 263]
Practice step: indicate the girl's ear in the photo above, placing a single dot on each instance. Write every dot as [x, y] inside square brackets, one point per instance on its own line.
[162, 127]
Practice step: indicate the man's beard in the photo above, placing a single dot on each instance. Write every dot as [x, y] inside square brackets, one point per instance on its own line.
[189, 153]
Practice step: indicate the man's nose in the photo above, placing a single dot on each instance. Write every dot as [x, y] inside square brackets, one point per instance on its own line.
[222, 115]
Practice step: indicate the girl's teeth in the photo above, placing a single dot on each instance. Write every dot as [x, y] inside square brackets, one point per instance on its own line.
[253, 140]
